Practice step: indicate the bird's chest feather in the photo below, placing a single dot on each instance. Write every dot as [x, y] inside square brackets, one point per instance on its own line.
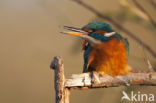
[108, 56]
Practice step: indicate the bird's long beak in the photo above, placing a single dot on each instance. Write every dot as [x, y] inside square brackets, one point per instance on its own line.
[75, 31]
[81, 33]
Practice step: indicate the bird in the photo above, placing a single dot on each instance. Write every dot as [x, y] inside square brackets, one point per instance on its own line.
[105, 51]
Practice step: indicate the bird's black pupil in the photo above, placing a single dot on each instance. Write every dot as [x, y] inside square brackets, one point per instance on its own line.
[92, 30]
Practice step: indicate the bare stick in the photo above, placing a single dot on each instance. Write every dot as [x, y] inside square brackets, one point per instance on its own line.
[145, 12]
[95, 80]
[136, 10]
[61, 92]
[66, 96]
[118, 26]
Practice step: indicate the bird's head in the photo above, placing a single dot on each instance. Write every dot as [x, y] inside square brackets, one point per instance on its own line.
[92, 33]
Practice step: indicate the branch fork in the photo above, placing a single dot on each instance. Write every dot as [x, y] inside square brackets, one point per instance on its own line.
[92, 80]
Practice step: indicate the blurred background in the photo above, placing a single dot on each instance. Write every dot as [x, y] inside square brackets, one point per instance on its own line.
[30, 38]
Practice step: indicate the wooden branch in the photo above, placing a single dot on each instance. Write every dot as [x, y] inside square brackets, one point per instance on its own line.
[95, 80]
[118, 26]
[62, 93]
[66, 95]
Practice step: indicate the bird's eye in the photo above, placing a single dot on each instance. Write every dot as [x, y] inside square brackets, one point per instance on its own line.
[89, 30]
[92, 30]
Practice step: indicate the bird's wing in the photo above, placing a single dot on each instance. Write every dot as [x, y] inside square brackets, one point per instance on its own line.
[126, 44]
[125, 41]
[86, 57]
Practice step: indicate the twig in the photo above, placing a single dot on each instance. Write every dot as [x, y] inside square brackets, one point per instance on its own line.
[62, 93]
[131, 8]
[118, 26]
[145, 12]
[81, 81]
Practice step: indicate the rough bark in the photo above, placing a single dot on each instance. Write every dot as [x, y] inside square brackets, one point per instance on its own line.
[95, 80]
[62, 93]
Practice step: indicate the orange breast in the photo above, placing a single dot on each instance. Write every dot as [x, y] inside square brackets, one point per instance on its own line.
[109, 58]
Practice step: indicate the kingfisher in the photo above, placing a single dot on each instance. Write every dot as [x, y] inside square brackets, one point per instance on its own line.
[105, 51]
